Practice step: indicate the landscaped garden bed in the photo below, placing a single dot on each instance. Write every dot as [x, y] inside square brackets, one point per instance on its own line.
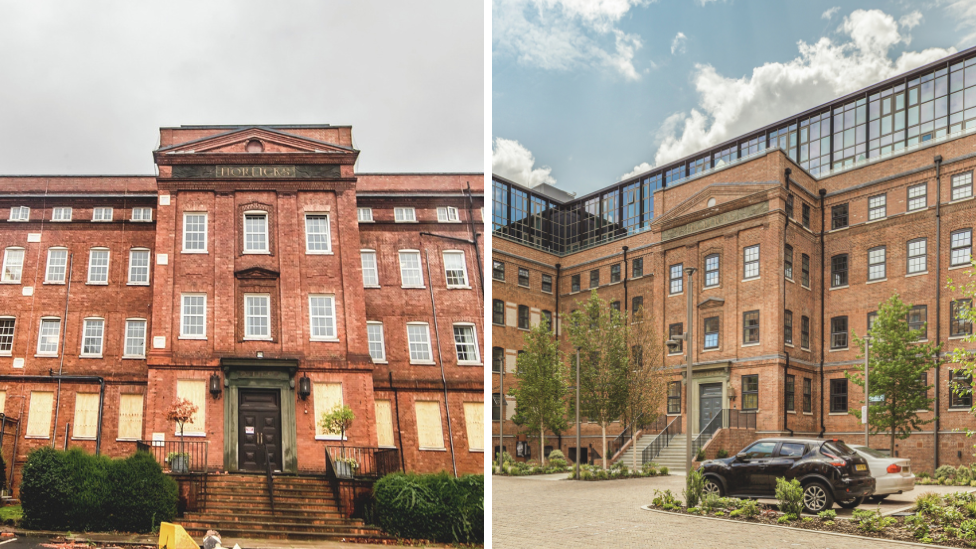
[619, 471]
[557, 464]
[947, 475]
[944, 519]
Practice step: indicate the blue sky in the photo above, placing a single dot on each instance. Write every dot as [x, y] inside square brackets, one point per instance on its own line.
[585, 92]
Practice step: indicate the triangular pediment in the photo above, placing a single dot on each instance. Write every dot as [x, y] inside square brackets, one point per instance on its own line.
[713, 200]
[256, 273]
[271, 141]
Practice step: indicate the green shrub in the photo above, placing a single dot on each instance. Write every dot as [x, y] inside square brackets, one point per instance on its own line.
[722, 453]
[663, 498]
[719, 513]
[711, 502]
[695, 485]
[923, 474]
[945, 471]
[786, 518]
[700, 456]
[790, 496]
[807, 519]
[917, 525]
[75, 490]
[434, 507]
[963, 475]
[664, 471]
[828, 514]
[872, 521]
[557, 459]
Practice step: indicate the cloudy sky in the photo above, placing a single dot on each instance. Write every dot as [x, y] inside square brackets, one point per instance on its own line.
[84, 86]
[587, 92]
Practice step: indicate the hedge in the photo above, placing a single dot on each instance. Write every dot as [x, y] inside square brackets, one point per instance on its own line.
[78, 491]
[434, 507]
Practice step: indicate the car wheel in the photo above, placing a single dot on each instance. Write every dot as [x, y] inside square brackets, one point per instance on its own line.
[817, 497]
[712, 486]
[879, 499]
[851, 503]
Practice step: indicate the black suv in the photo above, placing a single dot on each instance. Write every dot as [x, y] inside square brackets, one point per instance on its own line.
[829, 471]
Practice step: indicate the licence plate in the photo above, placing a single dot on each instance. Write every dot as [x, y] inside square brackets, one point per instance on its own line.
[861, 467]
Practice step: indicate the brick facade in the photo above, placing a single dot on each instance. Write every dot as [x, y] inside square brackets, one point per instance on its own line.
[314, 176]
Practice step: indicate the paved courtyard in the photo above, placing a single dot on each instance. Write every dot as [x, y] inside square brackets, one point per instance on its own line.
[550, 512]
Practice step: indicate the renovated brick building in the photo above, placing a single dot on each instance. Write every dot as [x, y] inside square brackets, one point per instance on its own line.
[797, 232]
[260, 277]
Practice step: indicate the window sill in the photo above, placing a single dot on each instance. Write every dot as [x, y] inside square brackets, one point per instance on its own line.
[372, 287]
[751, 344]
[807, 349]
[423, 363]
[137, 284]
[956, 409]
[790, 345]
[82, 438]
[89, 356]
[258, 339]
[127, 440]
[45, 437]
[959, 337]
[459, 287]
[838, 414]
[524, 329]
[96, 283]
[11, 282]
[46, 356]
[909, 275]
[717, 287]
[750, 279]
[46, 283]
[190, 434]
[469, 363]
[473, 450]
[258, 252]
[366, 221]
[406, 221]
[844, 287]
[321, 339]
[960, 200]
[6, 353]
[133, 357]
[612, 283]
[876, 281]
[433, 449]
[203, 252]
[673, 415]
[804, 287]
[790, 280]
[319, 252]
[414, 287]
[839, 229]
[454, 221]
[543, 291]
[870, 221]
[676, 295]
[199, 338]
[959, 267]
[384, 361]
[675, 354]
[526, 286]
[791, 412]
[808, 413]
[837, 350]
[710, 350]
[330, 437]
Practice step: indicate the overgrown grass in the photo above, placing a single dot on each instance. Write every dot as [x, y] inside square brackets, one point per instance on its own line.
[11, 512]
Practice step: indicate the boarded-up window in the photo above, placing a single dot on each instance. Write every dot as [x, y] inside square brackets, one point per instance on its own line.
[384, 424]
[39, 420]
[194, 390]
[430, 434]
[474, 420]
[130, 417]
[3, 402]
[86, 415]
[327, 396]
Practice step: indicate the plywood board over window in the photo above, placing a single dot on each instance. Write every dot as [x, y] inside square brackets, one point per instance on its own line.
[86, 416]
[194, 390]
[430, 433]
[39, 414]
[474, 420]
[327, 396]
[3, 402]
[130, 417]
[384, 424]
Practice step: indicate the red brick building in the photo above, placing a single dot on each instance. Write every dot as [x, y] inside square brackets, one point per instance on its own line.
[260, 277]
[797, 232]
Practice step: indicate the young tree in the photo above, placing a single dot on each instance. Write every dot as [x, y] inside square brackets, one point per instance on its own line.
[966, 359]
[541, 389]
[598, 332]
[896, 364]
[646, 383]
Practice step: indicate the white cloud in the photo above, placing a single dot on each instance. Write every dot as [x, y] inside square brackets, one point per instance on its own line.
[829, 14]
[964, 12]
[678, 44]
[566, 35]
[911, 20]
[823, 71]
[640, 168]
[510, 159]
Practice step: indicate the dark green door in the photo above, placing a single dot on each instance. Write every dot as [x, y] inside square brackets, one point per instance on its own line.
[709, 403]
[260, 430]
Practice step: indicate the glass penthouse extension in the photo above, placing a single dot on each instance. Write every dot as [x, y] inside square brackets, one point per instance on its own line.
[929, 103]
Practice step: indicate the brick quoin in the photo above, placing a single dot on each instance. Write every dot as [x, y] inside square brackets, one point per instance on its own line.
[724, 211]
[224, 273]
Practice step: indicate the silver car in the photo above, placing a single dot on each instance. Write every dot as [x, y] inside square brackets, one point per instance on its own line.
[891, 475]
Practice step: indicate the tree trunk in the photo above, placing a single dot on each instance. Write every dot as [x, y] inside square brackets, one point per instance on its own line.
[633, 445]
[892, 441]
[542, 443]
[604, 427]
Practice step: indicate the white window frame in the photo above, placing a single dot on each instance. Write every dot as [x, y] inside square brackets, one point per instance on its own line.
[125, 344]
[47, 267]
[203, 315]
[464, 270]
[4, 279]
[381, 342]
[108, 265]
[406, 214]
[881, 205]
[474, 344]
[329, 319]
[206, 229]
[965, 188]
[267, 244]
[101, 210]
[420, 269]
[954, 248]
[132, 252]
[84, 337]
[430, 350]
[747, 263]
[924, 255]
[364, 215]
[248, 316]
[19, 214]
[328, 234]
[13, 332]
[448, 214]
[922, 196]
[878, 265]
[367, 265]
[141, 218]
[56, 335]
[61, 209]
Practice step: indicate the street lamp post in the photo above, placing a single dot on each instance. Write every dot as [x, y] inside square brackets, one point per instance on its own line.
[578, 451]
[690, 340]
[867, 393]
[501, 417]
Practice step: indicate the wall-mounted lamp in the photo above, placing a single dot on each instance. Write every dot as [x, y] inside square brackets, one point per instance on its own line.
[304, 387]
[732, 394]
[215, 387]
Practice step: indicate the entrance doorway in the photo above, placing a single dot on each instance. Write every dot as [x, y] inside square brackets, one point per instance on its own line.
[259, 424]
[709, 403]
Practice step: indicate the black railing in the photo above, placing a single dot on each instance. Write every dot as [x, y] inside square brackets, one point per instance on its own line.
[618, 442]
[706, 434]
[270, 473]
[364, 462]
[178, 457]
[662, 440]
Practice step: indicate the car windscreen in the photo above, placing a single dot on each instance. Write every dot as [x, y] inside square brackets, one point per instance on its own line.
[871, 452]
[837, 448]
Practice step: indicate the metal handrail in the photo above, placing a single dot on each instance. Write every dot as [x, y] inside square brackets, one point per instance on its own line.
[267, 462]
[662, 440]
[706, 434]
[638, 424]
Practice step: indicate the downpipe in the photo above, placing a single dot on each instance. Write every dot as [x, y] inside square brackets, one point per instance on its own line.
[440, 359]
